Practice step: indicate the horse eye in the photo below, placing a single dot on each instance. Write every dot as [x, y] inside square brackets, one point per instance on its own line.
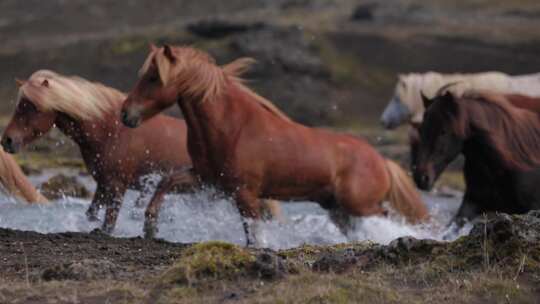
[28, 107]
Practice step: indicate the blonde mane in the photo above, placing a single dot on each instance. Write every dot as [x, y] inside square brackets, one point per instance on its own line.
[74, 96]
[197, 75]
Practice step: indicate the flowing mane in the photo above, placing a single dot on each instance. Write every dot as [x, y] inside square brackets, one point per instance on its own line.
[197, 75]
[512, 131]
[75, 96]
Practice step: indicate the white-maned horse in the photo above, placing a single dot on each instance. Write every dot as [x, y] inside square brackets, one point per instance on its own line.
[406, 105]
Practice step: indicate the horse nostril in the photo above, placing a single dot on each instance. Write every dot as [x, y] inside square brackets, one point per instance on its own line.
[7, 144]
[124, 116]
[425, 179]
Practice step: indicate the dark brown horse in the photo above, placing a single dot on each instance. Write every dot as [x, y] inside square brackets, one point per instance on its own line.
[499, 135]
[517, 100]
[240, 142]
[88, 113]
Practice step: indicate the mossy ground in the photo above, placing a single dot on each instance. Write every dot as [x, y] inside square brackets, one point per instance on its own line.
[469, 270]
[209, 261]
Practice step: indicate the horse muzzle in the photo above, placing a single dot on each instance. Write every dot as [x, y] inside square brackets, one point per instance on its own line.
[423, 180]
[394, 114]
[10, 146]
[129, 120]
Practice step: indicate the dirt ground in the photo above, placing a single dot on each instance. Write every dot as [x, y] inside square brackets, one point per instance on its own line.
[498, 263]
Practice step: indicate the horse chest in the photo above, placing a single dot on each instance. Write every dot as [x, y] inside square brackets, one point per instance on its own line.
[495, 189]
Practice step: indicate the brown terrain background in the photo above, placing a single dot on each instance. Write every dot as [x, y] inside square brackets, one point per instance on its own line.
[330, 63]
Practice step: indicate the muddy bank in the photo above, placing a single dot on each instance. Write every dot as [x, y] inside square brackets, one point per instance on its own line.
[499, 262]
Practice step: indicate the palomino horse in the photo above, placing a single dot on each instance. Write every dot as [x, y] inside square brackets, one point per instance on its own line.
[406, 105]
[240, 142]
[501, 145]
[14, 182]
[116, 156]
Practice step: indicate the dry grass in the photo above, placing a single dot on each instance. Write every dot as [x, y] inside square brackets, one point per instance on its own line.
[469, 270]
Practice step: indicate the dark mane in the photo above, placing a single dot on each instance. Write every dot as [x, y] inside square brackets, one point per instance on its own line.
[513, 132]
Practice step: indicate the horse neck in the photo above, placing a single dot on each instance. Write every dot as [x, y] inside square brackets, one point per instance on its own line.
[478, 150]
[215, 123]
[90, 135]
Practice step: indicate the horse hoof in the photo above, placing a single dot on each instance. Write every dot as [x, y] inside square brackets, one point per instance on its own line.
[92, 217]
[107, 229]
[150, 231]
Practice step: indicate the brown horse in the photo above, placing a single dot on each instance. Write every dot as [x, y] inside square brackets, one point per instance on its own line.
[499, 135]
[114, 155]
[15, 183]
[242, 143]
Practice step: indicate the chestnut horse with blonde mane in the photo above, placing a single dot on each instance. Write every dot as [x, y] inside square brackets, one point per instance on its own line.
[243, 144]
[116, 157]
[499, 135]
[14, 182]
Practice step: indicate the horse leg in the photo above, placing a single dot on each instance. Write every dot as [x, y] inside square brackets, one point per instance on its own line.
[249, 206]
[272, 210]
[97, 202]
[139, 202]
[144, 193]
[180, 178]
[342, 220]
[115, 196]
[466, 212]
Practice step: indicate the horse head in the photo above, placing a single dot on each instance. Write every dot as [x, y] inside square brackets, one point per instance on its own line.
[29, 122]
[437, 142]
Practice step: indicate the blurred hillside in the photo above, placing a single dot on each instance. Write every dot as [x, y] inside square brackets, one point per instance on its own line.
[325, 62]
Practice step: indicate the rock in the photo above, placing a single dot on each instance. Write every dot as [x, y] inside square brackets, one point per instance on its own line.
[290, 71]
[364, 12]
[341, 260]
[408, 247]
[303, 4]
[502, 228]
[87, 269]
[61, 185]
[268, 265]
[283, 48]
[216, 28]
[30, 170]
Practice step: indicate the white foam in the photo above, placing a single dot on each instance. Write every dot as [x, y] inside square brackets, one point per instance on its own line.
[205, 216]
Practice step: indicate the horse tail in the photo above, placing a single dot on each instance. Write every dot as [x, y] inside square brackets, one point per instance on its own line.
[15, 182]
[403, 196]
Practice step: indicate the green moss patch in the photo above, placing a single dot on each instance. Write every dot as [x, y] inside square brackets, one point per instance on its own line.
[209, 261]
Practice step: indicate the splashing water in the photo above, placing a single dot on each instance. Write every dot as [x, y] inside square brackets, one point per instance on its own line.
[207, 216]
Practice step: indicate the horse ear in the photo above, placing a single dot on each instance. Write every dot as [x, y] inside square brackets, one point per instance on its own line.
[45, 83]
[152, 47]
[19, 82]
[427, 102]
[167, 51]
